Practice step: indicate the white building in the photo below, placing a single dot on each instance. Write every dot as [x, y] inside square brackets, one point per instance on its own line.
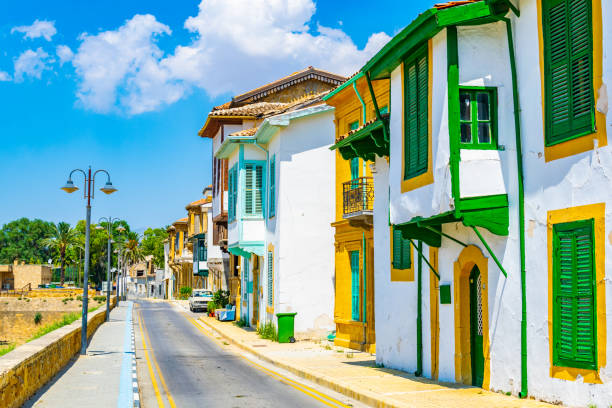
[281, 189]
[498, 171]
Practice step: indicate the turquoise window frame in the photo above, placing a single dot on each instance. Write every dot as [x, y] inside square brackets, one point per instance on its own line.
[243, 195]
[355, 292]
[272, 189]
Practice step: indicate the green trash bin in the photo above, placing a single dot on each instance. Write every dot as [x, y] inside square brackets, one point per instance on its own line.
[285, 327]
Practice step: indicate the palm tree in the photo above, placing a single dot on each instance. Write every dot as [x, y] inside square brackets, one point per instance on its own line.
[62, 238]
[131, 251]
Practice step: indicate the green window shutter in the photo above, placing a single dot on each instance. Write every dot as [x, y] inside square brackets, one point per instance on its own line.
[258, 197]
[354, 255]
[230, 193]
[416, 127]
[354, 168]
[248, 189]
[270, 278]
[574, 327]
[272, 186]
[401, 251]
[568, 65]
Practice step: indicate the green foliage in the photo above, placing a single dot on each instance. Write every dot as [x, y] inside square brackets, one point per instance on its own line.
[212, 306]
[22, 240]
[153, 244]
[37, 318]
[79, 298]
[241, 323]
[66, 319]
[63, 238]
[267, 331]
[5, 349]
[221, 298]
[185, 292]
[99, 299]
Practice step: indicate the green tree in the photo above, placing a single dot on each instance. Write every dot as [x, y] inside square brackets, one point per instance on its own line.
[22, 240]
[131, 249]
[153, 244]
[63, 237]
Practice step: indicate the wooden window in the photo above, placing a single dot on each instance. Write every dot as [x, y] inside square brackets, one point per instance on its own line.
[478, 117]
[416, 127]
[568, 69]
[354, 125]
[574, 324]
[270, 278]
[401, 251]
[354, 255]
[253, 189]
[232, 193]
[354, 168]
[272, 198]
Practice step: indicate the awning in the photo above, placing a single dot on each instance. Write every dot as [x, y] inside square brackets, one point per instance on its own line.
[366, 142]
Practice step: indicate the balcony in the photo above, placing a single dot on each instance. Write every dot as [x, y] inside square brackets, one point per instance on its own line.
[358, 201]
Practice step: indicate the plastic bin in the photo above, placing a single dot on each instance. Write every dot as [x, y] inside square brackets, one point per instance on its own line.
[285, 327]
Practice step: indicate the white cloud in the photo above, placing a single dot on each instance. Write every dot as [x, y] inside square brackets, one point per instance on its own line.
[31, 63]
[39, 28]
[64, 53]
[237, 45]
[4, 76]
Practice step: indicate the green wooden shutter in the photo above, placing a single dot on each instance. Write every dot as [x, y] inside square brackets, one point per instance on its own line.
[258, 196]
[416, 127]
[248, 189]
[568, 64]
[272, 197]
[270, 278]
[354, 168]
[355, 285]
[574, 335]
[401, 251]
[231, 203]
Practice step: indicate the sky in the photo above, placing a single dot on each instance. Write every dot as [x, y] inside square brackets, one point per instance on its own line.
[126, 85]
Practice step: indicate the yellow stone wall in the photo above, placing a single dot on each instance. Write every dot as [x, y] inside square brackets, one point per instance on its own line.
[38, 361]
[348, 238]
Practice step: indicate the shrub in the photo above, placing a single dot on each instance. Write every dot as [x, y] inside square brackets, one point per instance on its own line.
[79, 298]
[37, 318]
[185, 292]
[241, 323]
[221, 298]
[99, 299]
[66, 319]
[267, 331]
[212, 306]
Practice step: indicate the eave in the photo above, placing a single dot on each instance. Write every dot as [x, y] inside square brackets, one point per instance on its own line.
[367, 142]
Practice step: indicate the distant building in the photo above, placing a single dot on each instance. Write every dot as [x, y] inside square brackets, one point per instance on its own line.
[18, 276]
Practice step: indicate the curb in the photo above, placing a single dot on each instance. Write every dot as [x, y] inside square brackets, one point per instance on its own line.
[361, 396]
[135, 391]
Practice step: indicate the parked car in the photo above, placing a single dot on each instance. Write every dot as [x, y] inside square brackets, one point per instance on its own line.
[199, 300]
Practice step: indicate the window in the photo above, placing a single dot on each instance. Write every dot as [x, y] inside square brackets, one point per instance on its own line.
[354, 168]
[253, 189]
[354, 255]
[568, 69]
[235, 264]
[272, 197]
[574, 328]
[270, 279]
[354, 125]
[477, 114]
[401, 251]
[416, 127]
[232, 193]
[177, 241]
[202, 254]
[383, 110]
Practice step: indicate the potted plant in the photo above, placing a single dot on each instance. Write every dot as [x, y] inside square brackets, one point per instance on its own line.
[211, 308]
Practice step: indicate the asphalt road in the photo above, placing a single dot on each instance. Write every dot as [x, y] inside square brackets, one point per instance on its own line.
[190, 369]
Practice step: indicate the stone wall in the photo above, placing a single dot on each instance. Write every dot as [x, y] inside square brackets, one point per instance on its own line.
[27, 368]
[34, 274]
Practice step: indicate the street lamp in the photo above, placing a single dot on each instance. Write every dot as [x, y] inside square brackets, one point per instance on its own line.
[88, 194]
[109, 229]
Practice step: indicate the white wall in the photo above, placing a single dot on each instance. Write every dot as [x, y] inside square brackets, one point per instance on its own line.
[300, 231]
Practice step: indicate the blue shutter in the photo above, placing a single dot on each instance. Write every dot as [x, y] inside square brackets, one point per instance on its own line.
[354, 285]
[270, 278]
[272, 197]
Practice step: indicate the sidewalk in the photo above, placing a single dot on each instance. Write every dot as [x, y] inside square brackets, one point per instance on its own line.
[103, 377]
[355, 374]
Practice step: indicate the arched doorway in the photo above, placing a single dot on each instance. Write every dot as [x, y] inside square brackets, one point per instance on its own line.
[471, 318]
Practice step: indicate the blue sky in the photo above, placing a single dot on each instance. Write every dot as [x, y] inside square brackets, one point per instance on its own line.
[125, 86]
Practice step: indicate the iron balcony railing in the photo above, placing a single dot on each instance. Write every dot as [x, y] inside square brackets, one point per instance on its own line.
[358, 197]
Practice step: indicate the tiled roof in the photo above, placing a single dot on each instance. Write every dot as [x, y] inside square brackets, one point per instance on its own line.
[181, 221]
[245, 132]
[291, 79]
[254, 109]
[198, 202]
[450, 4]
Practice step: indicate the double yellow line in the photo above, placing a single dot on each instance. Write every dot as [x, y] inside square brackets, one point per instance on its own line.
[325, 399]
[145, 339]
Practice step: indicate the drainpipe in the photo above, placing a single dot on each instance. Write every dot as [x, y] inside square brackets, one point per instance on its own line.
[521, 203]
[363, 117]
[365, 291]
[419, 371]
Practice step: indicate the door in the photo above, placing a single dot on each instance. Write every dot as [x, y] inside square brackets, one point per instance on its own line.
[256, 292]
[476, 342]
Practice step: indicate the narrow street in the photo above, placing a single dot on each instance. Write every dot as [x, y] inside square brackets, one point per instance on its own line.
[191, 368]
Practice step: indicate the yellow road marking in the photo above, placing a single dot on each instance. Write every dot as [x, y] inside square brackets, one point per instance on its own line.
[160, 403]
[325, 399]
[159, 372]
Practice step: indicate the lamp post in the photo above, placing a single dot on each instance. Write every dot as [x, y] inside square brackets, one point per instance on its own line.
[109, 239]
[88, 194]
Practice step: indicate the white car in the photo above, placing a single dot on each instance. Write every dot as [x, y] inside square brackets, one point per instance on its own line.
[199, 299]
